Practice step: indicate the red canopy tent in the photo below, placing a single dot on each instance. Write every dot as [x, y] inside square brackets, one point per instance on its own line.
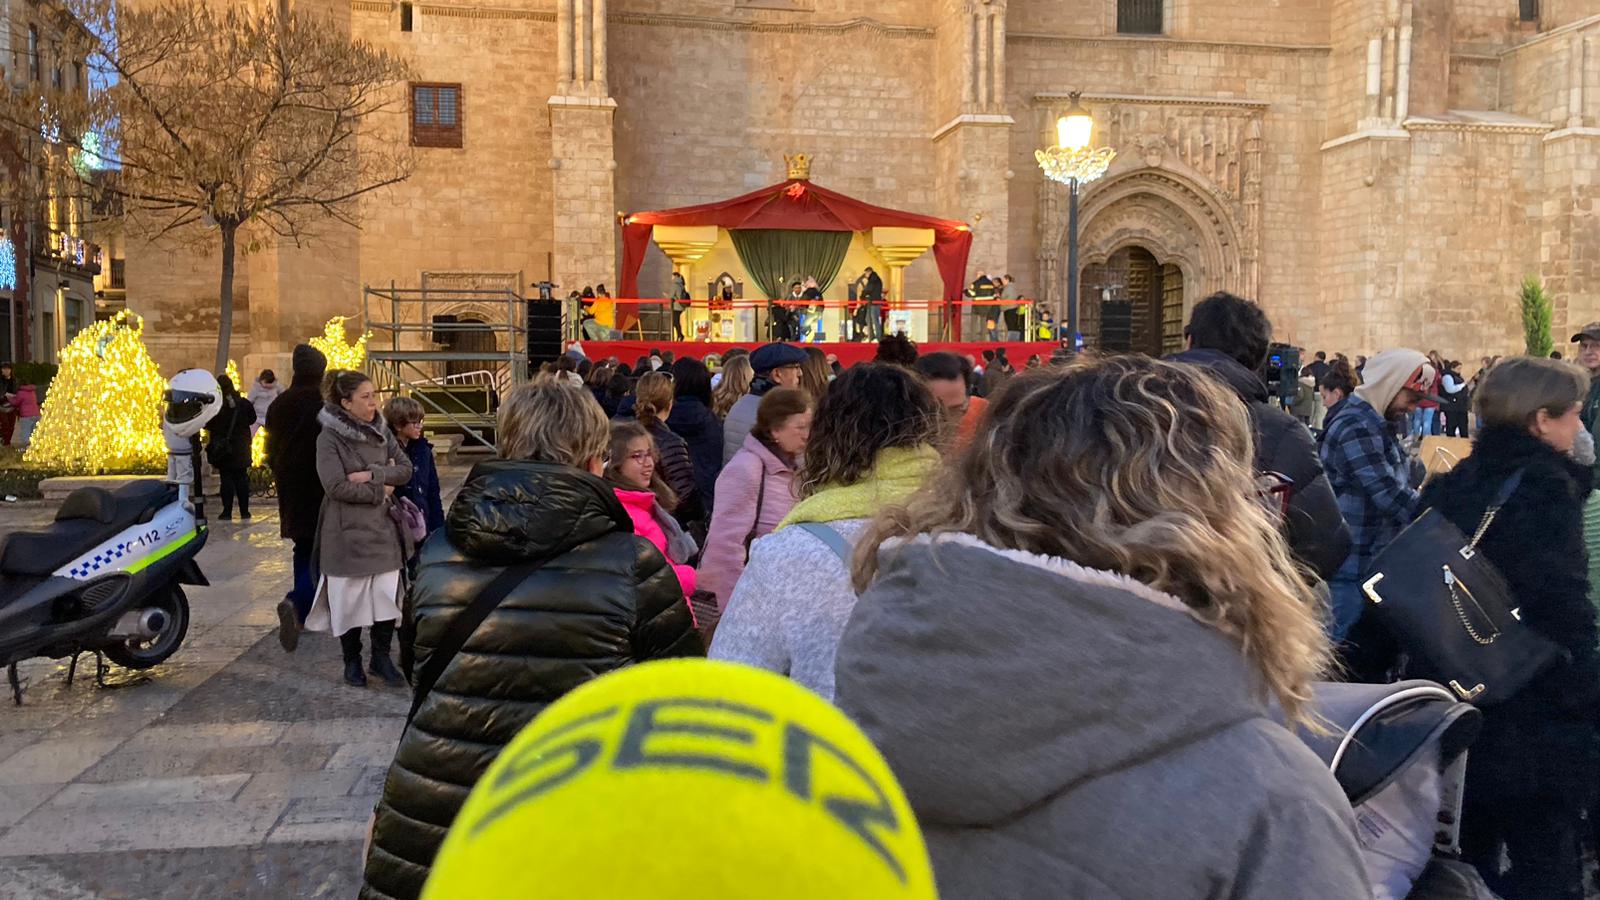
[797, 205]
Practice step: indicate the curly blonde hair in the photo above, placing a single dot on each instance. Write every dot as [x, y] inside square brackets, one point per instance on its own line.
[1141, 467]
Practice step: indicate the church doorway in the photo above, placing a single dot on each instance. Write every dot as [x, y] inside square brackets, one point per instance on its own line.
[1132, 303]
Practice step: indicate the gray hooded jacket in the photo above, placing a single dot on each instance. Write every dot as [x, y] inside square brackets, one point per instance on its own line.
[1065, 732]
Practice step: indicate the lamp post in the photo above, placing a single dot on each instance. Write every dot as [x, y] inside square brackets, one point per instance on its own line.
[1073, 162]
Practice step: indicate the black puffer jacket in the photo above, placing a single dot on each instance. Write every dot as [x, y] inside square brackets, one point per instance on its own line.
[604, 599]
[1314, 528]
[1539, 746]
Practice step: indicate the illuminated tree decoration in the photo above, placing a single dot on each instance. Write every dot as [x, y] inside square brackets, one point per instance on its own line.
[341, 353]
[8, 265]
[103, 410]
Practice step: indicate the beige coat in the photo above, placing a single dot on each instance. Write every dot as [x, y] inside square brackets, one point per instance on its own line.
[355, 535]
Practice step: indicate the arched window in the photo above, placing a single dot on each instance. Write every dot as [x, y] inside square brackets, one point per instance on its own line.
[33, 53]
[1139, 16]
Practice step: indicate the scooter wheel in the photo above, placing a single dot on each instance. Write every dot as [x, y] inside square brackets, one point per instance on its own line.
[142, 653]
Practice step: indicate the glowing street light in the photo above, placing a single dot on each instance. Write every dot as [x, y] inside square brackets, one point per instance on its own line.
[1073, 162]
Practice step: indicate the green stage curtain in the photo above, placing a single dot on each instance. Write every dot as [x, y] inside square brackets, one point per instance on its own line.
[775, 256]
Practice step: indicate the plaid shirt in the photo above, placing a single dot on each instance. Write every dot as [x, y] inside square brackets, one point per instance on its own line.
[1368, 470]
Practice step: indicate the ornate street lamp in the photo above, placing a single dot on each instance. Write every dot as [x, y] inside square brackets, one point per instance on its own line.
[1073, 162]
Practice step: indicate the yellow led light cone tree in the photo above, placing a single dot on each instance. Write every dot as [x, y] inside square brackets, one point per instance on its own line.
[341, 352]
[103, 409]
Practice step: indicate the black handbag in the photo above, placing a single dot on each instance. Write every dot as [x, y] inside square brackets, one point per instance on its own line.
[1450, 611]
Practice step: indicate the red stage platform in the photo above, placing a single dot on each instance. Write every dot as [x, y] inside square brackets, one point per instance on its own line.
[848, 354]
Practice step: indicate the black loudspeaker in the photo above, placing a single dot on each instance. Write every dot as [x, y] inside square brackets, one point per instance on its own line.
[544, 332]
[1116, 326]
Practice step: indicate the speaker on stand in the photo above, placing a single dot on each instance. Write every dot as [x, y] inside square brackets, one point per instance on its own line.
[544, 333]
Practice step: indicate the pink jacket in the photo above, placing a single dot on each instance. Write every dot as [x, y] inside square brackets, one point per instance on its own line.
[738, 488]
[642, 509]
[27, 402]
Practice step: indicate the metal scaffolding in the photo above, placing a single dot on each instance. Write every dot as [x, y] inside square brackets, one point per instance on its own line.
[420, 336]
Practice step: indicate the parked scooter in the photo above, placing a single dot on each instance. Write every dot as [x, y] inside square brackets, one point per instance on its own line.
[107, 575]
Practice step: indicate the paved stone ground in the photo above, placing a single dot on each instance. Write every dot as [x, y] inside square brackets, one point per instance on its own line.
[234, 770]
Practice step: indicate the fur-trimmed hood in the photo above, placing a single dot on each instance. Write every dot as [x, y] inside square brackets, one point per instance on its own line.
[335, 419]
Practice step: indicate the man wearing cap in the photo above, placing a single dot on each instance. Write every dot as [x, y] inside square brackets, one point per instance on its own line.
[1588, 341]
[775, 365]
[1369, 470]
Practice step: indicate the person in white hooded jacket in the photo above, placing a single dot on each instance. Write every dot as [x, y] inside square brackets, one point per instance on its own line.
[262, 393]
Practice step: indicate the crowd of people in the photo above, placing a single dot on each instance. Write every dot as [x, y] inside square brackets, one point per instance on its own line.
[1078, 606]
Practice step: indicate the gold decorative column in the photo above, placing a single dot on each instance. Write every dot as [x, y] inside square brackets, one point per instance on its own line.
[898, 248]
[686, 245]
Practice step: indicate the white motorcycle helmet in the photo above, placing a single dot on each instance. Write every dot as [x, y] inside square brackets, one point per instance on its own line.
[193, 397]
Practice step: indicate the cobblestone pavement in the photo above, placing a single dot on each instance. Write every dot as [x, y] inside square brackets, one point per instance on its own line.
[234, 770]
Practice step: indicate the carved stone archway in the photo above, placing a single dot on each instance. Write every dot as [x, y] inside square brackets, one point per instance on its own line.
[1173, 218]
[1186, 186]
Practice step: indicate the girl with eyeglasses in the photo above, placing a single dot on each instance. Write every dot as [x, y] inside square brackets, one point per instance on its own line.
[634, 473]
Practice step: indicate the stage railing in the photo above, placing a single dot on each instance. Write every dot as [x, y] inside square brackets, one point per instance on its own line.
[940, 312]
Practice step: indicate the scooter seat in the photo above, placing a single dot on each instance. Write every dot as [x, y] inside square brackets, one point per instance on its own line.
[87, 517]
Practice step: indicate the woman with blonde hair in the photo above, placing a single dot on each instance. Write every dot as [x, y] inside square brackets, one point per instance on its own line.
[815, 374]
[654, 398]
[583, 596]
[735, 383]
[1069, 644]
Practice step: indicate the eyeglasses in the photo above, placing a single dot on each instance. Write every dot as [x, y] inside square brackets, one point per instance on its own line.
[640, 456]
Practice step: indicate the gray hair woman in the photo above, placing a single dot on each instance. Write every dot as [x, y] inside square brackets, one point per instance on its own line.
[360, 551]
[1536, 759]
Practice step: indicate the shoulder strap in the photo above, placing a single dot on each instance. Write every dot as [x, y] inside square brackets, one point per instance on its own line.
[1501, 496]
[761, 496]
[462, 627]
[1507, 489]
[829, 536]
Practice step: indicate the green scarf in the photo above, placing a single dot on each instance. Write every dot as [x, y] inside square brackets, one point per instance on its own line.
[896, 474]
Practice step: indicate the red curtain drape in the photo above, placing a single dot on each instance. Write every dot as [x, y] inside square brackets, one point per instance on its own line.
[795, 205]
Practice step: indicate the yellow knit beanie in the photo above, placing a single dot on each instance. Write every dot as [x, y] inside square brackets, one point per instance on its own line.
[686, 780]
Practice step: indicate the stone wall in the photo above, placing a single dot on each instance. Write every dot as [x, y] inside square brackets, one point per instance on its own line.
[706, 112]
[486, 207]
[1287, 82]
[1254, 158]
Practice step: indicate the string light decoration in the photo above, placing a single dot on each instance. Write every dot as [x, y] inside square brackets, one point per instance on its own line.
[341, 353]
[103, 410]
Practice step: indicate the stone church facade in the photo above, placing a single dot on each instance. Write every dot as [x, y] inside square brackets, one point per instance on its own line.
[1374, 172]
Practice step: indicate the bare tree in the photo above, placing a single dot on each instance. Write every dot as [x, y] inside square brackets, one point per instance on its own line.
[226, 126]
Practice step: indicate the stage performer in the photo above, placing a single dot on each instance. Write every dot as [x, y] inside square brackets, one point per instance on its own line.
[783, 315]
[1012, 311]
[811, 320]
[679, 295]
[869, 316]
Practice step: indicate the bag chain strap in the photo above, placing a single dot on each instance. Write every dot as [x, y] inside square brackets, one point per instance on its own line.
[1466, 622]
[1483, 526]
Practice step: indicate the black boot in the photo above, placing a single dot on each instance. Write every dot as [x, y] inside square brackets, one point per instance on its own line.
[350, 643]
[382, 665]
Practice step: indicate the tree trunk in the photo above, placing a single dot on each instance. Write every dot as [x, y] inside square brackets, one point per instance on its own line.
[225, 295]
